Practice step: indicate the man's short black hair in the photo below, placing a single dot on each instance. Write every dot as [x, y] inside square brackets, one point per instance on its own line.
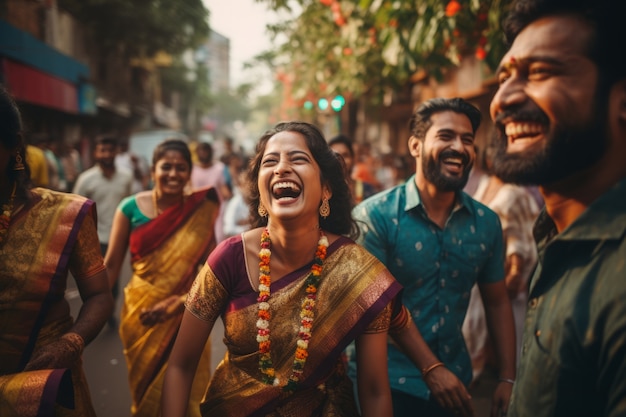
[420, 122]
[107, 140]
[605, 18]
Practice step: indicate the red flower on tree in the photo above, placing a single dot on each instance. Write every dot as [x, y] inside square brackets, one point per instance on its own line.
[480, 53]
[453, 8]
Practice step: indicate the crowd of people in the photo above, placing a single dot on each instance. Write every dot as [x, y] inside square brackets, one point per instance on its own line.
[343, 292]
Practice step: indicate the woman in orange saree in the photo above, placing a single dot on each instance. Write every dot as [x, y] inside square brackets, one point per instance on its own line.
[169, 235]
[43, 235]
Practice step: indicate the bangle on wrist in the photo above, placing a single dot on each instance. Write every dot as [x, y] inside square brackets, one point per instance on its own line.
[507, 380]
[428, 369]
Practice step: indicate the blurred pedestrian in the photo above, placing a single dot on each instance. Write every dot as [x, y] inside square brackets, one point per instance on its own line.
[517, 210]
[438, 242]
[127, 160]
[170, 234]
[209, 172]
[264, 285]
[44, 235]
[38, 166]
[237, 212]
[106, 186]
[69, 158]
[342, 145]
[42, 141]
[560, 123]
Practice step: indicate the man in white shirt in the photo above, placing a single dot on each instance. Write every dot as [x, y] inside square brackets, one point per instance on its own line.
[106, 186]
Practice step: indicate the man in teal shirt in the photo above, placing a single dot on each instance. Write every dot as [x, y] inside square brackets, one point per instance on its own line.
[438, 242]
[560, 121]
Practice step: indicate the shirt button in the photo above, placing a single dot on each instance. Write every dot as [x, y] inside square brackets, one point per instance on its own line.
[532, 303]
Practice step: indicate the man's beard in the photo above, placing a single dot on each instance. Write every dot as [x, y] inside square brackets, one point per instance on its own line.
[107, 163]
[566, 150]
[433, 173]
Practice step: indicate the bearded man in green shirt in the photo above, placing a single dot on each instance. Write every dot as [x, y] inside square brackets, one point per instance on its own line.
[438, 242]
[560, 122]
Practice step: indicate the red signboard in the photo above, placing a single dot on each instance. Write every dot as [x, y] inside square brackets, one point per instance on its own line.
[36, 87]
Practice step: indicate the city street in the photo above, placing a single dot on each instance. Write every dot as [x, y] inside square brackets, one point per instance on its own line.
[104, 361]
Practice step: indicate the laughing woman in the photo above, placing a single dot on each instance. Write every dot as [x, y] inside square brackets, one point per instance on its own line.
[292, 293]
[170, 235]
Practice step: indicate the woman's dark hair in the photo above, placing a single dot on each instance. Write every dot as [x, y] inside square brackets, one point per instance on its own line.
[11, 135]
[171, 145]
[340, 220]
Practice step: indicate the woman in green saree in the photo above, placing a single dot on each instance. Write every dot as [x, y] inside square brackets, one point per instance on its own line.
[292, 293]
[169, 234]
[44, 235]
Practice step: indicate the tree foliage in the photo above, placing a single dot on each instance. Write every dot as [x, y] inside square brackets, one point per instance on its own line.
[143, 27]
[367, 47]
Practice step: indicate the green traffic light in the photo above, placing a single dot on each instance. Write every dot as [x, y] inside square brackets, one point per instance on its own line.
[308, 105]
[337, 103]
[322, 103]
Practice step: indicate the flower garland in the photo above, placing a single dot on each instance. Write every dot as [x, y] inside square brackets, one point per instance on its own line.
[5, 216]
[306, 313]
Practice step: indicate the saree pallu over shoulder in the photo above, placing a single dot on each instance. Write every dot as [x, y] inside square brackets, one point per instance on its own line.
[33, 271]
[33, 267]
[150, 236]
[354, 290]
[165, 255]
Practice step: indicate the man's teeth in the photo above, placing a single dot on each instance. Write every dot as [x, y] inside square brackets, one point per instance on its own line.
[458, 161]
[521, 129]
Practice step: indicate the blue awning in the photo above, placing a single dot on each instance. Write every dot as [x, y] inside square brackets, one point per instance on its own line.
[25, 48]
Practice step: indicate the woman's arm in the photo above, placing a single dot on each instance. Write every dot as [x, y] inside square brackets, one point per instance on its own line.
[181, 368]
[118, 245]
[372, 377]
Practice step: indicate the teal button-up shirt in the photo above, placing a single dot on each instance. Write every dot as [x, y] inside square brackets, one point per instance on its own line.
[573, 359]
[437, 268]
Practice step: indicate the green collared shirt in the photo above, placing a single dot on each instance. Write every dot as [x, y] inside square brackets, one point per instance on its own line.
[437, 268]
[574, 346]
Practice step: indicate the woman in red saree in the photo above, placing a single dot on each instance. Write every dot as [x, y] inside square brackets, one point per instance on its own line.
[169, 235]
[292, 293]
[44, 235]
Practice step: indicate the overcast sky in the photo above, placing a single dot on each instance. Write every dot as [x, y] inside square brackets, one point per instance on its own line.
[243, 22]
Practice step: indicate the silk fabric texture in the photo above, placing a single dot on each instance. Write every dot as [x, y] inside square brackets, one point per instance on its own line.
[165, 255]
[54, 233]
[354, 296]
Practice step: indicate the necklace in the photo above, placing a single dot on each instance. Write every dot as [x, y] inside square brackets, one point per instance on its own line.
[306, 313]
[5, 216]
[155, 203]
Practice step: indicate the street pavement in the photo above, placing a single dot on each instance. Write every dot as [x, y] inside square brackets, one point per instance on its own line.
[105, 365]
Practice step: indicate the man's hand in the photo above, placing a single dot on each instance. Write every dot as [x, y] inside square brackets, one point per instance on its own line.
[449, 392]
